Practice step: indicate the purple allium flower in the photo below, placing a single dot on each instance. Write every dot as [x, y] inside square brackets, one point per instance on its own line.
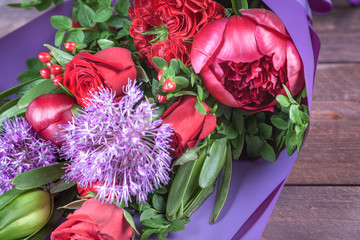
[118, 145]
[21, 151]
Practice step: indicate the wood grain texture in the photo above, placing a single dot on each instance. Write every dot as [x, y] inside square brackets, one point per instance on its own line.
[331, 153]
[315, 213]
[339, 32]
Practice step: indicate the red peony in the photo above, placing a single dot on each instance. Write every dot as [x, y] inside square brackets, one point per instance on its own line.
[245, 60]
[109, 68]
[165, 28]
[95, 221]
[188, 124]
[46, 112]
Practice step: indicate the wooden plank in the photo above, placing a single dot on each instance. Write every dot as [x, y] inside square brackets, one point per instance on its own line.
[331, 152]
[319, 213]
[339, 32]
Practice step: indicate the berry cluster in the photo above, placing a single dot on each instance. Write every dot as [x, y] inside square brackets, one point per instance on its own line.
[54, 70]
[168, 86]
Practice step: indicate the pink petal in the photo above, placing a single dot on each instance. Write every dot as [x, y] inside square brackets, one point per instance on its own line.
[270, 43]
[206, 43]
[294, 69]
[239, 43]
[216, 89]
[265, 18]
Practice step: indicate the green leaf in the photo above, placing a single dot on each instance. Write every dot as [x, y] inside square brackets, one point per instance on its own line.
[178, 188]
[9, 104]
[181, 82]
[61, 186]
[115, 21]
[147, 214]
[29, 75]
[155, 85]
[175, 66]
[76, 36]
[163, 233]
[158, 202]
[39, 176]
[279, 123]
[130, 220]
[199, 200]
[238, 120]
[191, 154]
[104, 3]
[231, 132]
[59, 37]
[147, 233]
[200, 93]
[102, 14]
[105, 43]
[224, 186]
[291, 142]
[74, 204]
[254, 146]
[184, 68]
[61, 57]
[251, 125]
[238, 144]
[85, 16]
[151, 223]
[294, 114]
[265, 130]
[141, 74]
[8, 196]
[283, 100]
[122, 6]
[122, 33]
[160, 63]
[200, 108]
[177, 225]
[44, 4]
[45, 86]
[61, 22]
[11, 112]
[291, 99]
[213, 163]
[57, 2]
[91, 35]
[268, 153]
[35, 64]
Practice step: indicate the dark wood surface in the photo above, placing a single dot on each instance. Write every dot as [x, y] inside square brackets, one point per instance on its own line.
[321, 199]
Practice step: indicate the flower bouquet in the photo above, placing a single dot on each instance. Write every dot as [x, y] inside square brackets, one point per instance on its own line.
[167, 119]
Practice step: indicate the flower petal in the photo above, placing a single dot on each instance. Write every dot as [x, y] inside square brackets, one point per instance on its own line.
[294, 65]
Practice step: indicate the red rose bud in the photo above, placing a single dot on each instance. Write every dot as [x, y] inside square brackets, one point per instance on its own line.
[189, 125]
[245, 59]
[45, 73]
[70, 46]
[161, 98]
[110, 68]
[56, 69]
[44, 57]
[95, 220]
[25, 214]
[47, 111]
[169, 85]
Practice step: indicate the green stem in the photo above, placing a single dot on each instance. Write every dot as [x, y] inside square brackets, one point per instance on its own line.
[254, 3]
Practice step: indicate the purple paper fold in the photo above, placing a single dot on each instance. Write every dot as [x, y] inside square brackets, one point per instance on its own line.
[255, 185]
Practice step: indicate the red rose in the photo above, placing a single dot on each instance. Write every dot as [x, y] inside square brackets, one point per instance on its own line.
[109, 68]
[245, 59]
[47, 111]
[170, 22]
[188, 124]
[84, 191]
[94, 221]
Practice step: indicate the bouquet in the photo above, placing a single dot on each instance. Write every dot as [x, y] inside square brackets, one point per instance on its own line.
[140, 111]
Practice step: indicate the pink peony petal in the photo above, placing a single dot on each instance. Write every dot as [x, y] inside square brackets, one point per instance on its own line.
[272, 44]
[206, 42]
[265, 18]
[216, 89]
[294, 67]
[239, 43]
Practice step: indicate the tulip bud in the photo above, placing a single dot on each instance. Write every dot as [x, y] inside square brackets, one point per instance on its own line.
[25, 215]
[46, 112]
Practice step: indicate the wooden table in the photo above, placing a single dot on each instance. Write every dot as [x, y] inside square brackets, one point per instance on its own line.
[321, 199]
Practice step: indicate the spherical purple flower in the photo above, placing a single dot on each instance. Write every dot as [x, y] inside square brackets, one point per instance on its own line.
[21, 151]
[118, 145]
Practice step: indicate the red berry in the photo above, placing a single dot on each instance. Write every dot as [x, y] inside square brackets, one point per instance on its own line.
[169, 85]
[160, 73]
[56, 69]
[44, 57]
[48, 64]
[69, 46]
[50, 52]
[45, 73]
[58, 79]
[161, 98]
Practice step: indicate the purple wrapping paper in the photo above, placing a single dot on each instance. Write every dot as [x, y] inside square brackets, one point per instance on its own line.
[256, 185]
